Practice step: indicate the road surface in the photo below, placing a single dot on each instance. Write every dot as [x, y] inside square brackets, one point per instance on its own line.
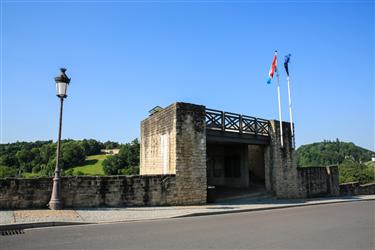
[335, 226]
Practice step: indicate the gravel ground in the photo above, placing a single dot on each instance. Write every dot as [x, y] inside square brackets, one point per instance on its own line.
[6, 217]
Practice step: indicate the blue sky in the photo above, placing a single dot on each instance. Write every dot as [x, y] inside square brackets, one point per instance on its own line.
[124, 58]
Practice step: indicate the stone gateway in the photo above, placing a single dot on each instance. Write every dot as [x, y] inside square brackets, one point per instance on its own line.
[204, 147]
[186, 148]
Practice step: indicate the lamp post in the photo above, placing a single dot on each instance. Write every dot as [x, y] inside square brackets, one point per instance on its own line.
[62, 82]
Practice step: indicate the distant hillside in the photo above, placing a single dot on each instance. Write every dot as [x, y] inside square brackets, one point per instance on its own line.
[331, 152]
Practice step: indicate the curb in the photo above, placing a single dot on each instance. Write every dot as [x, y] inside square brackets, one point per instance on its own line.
[266, 208]
[22, 226]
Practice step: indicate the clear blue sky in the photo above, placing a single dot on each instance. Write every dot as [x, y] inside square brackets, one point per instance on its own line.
[124, 58]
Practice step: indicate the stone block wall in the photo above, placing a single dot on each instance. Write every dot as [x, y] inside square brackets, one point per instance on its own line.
[184, 125]
[281, 175]
[318, 181]
[158, 143]
[89, 191]
[191, 170]
[354, 188]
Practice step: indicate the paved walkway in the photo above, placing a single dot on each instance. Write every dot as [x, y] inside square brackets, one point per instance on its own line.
[39, 217]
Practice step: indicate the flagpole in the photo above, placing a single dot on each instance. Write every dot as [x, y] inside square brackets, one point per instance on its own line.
[290, 112]
[278, 95]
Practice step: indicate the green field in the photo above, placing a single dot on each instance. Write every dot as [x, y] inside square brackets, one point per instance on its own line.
[93, 165]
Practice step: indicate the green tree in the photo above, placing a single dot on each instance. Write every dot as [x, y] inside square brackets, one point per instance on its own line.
[72, 154]
[331, 152]
[126, 162]
[350, 171]
[91, 146]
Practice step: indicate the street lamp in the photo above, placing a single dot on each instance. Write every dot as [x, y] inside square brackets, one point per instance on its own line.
[62, 82]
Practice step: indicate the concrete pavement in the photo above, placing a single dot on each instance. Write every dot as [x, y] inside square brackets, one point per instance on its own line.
[43, 217]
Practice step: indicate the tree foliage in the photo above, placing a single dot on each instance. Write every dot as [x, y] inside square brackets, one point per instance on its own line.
[125, 162]
[349, 158]
[330, 153]
[356, 172]
[21, 158]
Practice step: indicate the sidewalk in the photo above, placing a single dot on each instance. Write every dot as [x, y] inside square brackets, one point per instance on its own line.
[12, 219]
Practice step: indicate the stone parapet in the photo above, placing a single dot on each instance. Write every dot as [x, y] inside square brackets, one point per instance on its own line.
[90, 191]
[318, 181]
[355, 188]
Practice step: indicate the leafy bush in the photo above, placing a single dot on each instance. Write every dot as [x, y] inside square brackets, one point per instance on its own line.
[351, 171]
[7, 172]
[68, 172]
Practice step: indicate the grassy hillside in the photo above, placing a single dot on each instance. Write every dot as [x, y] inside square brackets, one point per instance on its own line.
[92, 166]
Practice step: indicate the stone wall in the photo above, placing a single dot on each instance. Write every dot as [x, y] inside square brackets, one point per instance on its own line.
[87, 191]
[158, 143]
[281, 175]
[354, 188]
[318, 181]
[184, 126]
[191, 176]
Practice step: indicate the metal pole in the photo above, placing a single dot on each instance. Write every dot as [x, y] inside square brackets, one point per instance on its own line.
[278, 95]
[56, 203]
[290, 112]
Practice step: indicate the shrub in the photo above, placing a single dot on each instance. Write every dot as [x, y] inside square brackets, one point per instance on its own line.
[351, 171]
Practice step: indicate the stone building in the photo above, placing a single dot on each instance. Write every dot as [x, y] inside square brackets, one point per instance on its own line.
[184, 149]
[204, 147]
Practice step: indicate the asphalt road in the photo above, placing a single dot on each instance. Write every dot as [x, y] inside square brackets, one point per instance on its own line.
[335, 226]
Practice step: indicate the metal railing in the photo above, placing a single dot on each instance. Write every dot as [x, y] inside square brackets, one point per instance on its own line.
[231, 122]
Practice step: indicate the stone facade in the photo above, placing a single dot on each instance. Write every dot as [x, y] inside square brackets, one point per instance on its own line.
[280, 163]
[174, 161]
[318, 181]
[174, 139]
[158, 142]
[283, 177]
[87, 191]
[186, 154]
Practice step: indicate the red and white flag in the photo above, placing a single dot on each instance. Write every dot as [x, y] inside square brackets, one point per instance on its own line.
[273, 68]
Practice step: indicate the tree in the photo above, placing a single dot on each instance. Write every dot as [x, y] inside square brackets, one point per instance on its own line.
[328, 153]
[91, 146]
[126, 162]
[72, 154]
[111, 145]
[24, 158]
[351, 171]
[113, 165]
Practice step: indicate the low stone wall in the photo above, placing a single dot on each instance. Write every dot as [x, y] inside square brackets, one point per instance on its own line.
[318, 181]
[354, 188]
[89, 191]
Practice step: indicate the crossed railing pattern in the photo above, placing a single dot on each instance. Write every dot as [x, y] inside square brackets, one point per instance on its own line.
[231, 122]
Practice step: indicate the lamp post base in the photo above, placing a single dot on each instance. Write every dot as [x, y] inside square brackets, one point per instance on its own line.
[55, 205]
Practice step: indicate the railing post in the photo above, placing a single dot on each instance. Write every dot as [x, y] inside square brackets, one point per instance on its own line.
[222, 120]
[240, 121]
[256, 126]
